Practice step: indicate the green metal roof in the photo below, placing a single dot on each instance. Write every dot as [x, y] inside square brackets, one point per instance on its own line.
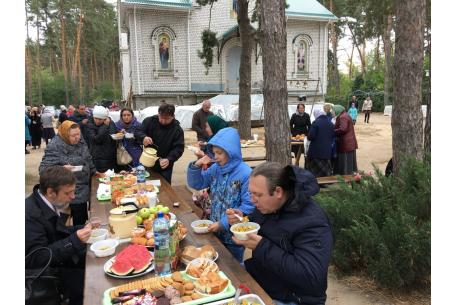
[308, 9]
[162, 3]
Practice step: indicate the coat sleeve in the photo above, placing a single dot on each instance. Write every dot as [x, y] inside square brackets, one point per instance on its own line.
[97, 136]
[62, 249]
[144, 129]
[52, 156]
[198, 178]
[139, 134]
[343, 127]
[246, 206]
[196, 123]
[305, 266]
[308, 123]
[312, 132]
[292, 122]
[177, 146]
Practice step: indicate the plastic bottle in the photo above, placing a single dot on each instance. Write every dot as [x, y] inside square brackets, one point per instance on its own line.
[161, 245]
[141, 179]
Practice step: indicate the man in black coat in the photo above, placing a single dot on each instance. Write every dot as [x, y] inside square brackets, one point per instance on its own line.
[291, 252]
[199, 120]
[44, 227]
[82, 118]
[165, 134]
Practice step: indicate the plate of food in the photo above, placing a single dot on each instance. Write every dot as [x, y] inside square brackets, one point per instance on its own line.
[190, 253]
[133, 261]
[117, 136]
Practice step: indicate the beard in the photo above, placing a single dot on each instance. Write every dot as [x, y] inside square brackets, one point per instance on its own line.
[61, 206]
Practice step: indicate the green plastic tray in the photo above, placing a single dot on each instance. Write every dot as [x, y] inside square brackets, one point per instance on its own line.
[103, 198]
[228, 292]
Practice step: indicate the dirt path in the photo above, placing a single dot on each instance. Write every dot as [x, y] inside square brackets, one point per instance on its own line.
[375, 146]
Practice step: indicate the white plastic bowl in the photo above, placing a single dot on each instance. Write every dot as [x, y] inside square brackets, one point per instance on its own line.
[98, 247]
[244, 235]
[200, 230]
[129, 135]
[97, 235]
[117, 137]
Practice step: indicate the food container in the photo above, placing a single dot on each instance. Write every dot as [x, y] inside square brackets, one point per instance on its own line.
[122, 220]
[152, 198]
[117, 136]
[197, 226]
[149, 157]
[244, 234]
[97, 235]
[105, 247]
[210, 266]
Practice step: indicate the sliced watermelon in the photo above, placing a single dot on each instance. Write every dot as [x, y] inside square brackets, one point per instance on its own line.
[122, 267]
[135, 258]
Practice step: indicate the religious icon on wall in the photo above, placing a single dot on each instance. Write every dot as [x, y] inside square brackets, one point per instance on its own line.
[164, 51]
[301, 58]
[234, 9]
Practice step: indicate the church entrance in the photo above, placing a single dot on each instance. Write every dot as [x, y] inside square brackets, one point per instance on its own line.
[233, 70]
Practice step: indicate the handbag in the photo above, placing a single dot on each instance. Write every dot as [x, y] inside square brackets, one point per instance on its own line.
[122, 155]
[41, 285]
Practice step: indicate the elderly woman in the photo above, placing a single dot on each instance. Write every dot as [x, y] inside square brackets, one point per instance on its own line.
[35, 127]
[321, 134]
[346, 142]
[129, 124]
[102, 146]
[68, 149]
[214, 123]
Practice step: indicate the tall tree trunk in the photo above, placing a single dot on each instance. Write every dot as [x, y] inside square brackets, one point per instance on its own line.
[103, 69]
[361, 50]
[96, 70]
[388, 77]
[38, 66]
[334, 41]
[28, 75]
[274, 43]
[244, 114]
[376, 54]
[64, 52]
[91, 73]
[428, 122]
[76, 61]
[86, 71]
[407, 120]
[350, 62]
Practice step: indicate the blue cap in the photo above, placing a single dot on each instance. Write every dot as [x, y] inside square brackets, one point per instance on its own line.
[160, 215]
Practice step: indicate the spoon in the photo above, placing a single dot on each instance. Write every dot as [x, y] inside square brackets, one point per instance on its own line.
[239, 217]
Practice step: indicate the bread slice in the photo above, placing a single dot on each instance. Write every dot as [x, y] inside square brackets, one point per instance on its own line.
[190, 253]
[208, 251]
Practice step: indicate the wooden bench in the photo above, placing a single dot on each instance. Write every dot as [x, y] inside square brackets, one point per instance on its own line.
[334, 179]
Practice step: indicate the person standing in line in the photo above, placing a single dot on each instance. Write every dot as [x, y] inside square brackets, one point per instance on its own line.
[199, 120]
[353, 113]
[81, 117]
[27, 133]
[300, 123]
[36, 128]
[353, 100]
[346, 143]
[366, 108]
[48, 127]
[128, 123]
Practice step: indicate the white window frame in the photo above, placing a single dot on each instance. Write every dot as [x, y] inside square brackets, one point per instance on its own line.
[157, 71]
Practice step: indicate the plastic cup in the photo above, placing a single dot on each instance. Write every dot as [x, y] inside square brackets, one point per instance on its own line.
[256, 137]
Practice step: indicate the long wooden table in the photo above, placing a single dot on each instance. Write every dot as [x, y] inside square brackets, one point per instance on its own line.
[96, 281]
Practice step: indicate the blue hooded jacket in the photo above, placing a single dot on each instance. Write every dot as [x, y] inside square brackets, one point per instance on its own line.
[290, 262]
[228, 183]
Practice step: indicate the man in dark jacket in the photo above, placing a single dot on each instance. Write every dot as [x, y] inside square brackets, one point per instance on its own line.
[199, 120]
[165, 134]
[291, 252]
[45, 228]
[82, 118]
[102, 146]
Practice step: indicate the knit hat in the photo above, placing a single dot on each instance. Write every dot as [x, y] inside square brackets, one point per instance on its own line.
[216, 123]
[100, 112]
[338, 109]
[64, 130]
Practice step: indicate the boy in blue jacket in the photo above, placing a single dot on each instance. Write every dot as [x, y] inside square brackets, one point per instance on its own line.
[228, 180]
[292, 250]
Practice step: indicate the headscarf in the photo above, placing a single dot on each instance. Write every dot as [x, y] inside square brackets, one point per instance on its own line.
[216, 123]
[338, 109]
[318, 112]
[64, 130]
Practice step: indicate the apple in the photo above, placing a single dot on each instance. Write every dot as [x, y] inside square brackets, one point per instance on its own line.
[154, 210]
[139, 220]
[144, 213]
[165, 210]
[159, 207]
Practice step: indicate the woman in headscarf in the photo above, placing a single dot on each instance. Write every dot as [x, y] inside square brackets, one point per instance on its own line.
[35, 127]
[318, 158]
[48, 127]
[129, 124]
[27, 132]
[346, 143]
[67, 149]
[300, 123]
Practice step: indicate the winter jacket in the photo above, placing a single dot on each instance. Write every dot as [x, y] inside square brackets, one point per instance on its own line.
[60, 153]
[300, 124]
[133, 146]
[44, 228]
[63, 117]
[321, 135]
[167, 139]
[199, 124]
[367, 104]
[344, 130]
[27, 131]
[46, 119]
[102, 147]
[291, 260]
[78, 118]
[228, 183]
[353, 113]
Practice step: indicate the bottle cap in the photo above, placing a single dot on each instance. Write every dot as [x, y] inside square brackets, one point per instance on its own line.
[160, 215]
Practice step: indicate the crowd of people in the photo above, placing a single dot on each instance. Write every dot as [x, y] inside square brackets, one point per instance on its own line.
[291, 251]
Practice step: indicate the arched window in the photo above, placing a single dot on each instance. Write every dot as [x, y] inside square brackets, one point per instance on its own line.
[163, 45]
[301, 45]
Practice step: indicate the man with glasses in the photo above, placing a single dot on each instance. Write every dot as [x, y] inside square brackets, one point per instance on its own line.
[164, 133]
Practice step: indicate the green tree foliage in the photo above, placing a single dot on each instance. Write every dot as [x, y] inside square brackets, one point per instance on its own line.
[209, 41]
[382, 225]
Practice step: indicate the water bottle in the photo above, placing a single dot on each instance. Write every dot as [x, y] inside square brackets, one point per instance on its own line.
[141, 179]
[162, 264]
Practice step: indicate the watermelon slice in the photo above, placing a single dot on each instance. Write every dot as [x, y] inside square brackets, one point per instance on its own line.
[122, 267]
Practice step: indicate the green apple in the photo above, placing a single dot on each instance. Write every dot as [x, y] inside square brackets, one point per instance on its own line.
[144, 213]
[159, 207]
[139, 220]
[165, 210]
[154, 210]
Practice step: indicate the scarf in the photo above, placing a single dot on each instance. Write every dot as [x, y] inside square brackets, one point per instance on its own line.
[216, 123]
[338, 109]
[64, 130]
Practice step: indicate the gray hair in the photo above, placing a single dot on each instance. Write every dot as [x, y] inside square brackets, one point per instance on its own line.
[276, 175]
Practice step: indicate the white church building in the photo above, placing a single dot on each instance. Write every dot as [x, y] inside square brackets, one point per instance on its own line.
[160, 39]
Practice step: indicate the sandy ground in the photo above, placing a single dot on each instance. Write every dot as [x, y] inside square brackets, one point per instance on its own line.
[375, 149]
